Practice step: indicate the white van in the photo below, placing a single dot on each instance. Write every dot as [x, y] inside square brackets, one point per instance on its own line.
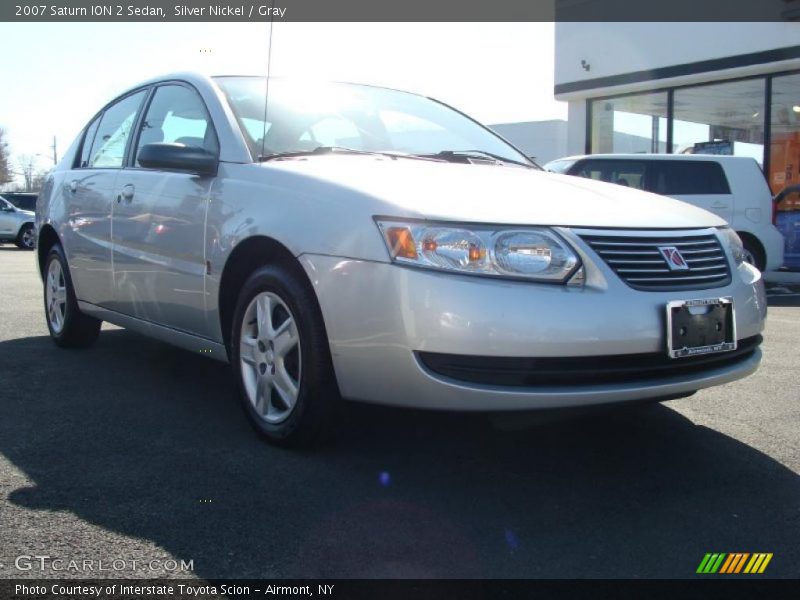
[732, 187]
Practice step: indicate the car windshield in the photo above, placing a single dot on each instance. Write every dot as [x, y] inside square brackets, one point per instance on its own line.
[303, 117]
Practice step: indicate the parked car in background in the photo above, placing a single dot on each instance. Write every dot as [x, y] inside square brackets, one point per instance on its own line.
[360, 242]
[22, 200]
[732, 187]
[16, 225]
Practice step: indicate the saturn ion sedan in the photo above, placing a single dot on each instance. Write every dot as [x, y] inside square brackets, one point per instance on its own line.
[337, 241]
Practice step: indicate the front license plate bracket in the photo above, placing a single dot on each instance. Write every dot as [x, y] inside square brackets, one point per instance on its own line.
[702, 326]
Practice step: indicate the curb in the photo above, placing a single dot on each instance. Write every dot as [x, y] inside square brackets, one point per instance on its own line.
[791, 277]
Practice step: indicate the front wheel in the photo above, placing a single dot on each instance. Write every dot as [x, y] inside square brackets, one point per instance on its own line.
[69, 327]
[280, 354]
[26, 239]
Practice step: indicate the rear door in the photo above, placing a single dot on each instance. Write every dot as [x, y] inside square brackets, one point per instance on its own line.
[89, 188]
[158, 219]
[699, 182]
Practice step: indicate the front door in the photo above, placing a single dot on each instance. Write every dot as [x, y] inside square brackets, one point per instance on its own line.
[158, 220]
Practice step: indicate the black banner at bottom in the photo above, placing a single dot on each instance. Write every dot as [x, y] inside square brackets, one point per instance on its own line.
[393, 589]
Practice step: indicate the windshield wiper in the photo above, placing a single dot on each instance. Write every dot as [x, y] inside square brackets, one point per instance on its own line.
[343, 150]
[465, 155]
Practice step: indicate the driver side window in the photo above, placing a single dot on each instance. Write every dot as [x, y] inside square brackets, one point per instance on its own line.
[177, 115]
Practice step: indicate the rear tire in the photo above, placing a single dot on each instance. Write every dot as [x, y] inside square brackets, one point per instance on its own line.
[281, 357]
[754, 253]
[26, 239]
[69, 327]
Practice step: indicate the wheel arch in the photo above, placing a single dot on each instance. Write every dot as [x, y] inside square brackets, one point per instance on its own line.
[249, 255]
[753, 240]
[47, 238]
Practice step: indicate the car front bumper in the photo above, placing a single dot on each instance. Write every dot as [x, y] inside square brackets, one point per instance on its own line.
[381, 318]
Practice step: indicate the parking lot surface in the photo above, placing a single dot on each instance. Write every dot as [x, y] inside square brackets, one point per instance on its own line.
[136, 451]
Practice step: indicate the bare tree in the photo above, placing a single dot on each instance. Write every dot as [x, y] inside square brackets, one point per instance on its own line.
[5, 168]
[27, 168]
[38, 179]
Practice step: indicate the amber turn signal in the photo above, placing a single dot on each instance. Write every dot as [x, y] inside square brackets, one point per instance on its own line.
[401, 242]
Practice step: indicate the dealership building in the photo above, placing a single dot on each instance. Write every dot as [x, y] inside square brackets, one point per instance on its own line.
[725, 88]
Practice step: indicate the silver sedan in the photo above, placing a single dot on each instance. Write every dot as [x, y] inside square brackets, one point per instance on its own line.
[16, 225]
[338, 241]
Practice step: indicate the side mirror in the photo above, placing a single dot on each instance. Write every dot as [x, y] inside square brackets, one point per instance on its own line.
[178, 157]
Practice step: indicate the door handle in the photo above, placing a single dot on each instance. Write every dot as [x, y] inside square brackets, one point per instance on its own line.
[126, 193]
[719, 204]
[73, 186]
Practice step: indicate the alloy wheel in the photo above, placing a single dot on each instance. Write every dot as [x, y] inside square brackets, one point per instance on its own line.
[56, 296]
[28, 239]
[269, 353]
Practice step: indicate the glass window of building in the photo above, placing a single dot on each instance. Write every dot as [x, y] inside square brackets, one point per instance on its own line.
[784, 164]
[630, 124]
[724, 118]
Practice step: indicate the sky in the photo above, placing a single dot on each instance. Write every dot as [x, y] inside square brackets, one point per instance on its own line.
[55, 76]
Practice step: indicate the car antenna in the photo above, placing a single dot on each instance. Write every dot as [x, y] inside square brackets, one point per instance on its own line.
[266, 92]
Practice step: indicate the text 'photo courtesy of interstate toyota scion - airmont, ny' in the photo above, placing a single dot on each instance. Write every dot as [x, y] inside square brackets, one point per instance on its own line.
[354, 242]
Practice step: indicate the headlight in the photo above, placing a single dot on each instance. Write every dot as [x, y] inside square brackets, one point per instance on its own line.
[535, 253]
[734, 243]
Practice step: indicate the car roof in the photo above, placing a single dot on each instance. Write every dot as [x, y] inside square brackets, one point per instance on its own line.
[200, 79]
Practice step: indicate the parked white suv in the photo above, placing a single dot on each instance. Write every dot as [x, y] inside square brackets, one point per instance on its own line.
[733, 187]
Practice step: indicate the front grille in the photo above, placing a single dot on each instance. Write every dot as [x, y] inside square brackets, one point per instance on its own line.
[638, 261]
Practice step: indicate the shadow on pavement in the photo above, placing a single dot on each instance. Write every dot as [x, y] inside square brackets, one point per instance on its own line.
[133, 436]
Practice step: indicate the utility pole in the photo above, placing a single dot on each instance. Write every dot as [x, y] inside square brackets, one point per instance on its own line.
[55, 152]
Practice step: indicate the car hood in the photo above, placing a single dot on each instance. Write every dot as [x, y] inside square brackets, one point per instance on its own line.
[27, 213]
[481, 193]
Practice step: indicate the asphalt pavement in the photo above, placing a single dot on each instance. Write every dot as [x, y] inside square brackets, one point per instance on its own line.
[136, 451]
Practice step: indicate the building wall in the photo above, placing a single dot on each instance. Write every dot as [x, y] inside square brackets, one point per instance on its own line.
[576, 127]
[542, 140]
[611, 50]
[617, 48]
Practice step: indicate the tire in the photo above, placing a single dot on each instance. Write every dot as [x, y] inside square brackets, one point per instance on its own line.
[754, 253]
[69, 327]
[282, 363]
[26, 239]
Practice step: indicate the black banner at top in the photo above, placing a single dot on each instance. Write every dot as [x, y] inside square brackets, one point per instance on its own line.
[398, 10]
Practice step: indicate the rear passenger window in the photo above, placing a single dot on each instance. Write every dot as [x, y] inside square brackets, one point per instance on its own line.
[685, 178]
[86, 147]
[108, 148]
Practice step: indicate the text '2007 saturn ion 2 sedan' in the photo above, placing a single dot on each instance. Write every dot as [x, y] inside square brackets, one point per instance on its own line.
[343, 241]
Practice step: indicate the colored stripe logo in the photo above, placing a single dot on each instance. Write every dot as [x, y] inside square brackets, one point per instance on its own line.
[734, 562]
